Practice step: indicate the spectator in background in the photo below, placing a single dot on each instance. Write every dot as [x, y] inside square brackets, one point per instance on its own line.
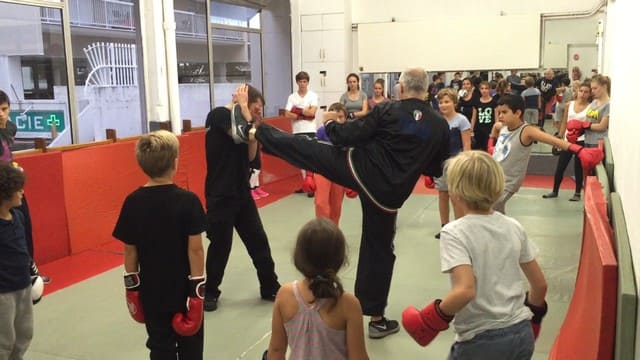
[514, 79]
[456, 83]
[434, 88]
[301, 109]
[547, 87]
[576, 74]
[378, 94]
[355, 100]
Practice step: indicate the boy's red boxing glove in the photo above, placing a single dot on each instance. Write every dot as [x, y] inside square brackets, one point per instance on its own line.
[491, 145]
[428, 182]
[351, 193]
[589, 157]
[538, 314]
[132, 284]
[187, 324]
[308, 184]
[424, 325]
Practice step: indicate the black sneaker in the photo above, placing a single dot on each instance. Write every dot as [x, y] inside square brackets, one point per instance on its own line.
[269, 294]
[239, 125]
[383, 327]
[550, 195]
[576, 197]
[210, 303]
[437, 236]
[310, 195]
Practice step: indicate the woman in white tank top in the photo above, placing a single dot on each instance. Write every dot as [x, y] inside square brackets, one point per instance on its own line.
[577, 110]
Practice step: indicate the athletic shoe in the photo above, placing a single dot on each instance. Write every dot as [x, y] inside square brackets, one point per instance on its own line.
[437, 236]
[261, 192]
[255, 195]
[298, 191]
[270, 293]
[550, 195]
[310, 195]
[383, 327]
[576, 197]
[210, 304]
[239, 126]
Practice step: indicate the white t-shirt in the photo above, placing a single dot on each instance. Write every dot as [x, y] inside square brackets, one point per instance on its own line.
[295, 100]
[494, 245]
[573, 115]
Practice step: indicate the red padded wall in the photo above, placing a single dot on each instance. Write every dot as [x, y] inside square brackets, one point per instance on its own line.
[45, 195]
[588, 330]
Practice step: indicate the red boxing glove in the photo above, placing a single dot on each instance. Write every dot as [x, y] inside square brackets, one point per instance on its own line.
[491, 145]
[188, 324]
[424, 325]
[351, 193]
[132, 284]
[589, 157]
[428, 182]
[309, 184]
[297, 110]
[538, 314]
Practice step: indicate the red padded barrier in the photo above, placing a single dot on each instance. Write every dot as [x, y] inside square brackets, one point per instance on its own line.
[588, 330]
[96, 181]
[192, 157]
[274, 168]
[45, 195]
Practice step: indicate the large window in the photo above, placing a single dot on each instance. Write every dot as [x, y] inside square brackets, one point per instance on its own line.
[193, 60]
[33, 73]
[105, 62]
[237, 49]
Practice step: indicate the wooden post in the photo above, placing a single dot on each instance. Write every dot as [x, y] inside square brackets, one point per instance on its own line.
[186, 126]
[111, 134]
[40, 144]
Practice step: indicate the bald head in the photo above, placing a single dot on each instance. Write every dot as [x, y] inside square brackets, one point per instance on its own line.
[413, 83]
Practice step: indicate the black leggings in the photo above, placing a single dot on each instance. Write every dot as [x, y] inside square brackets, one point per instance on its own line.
[563, 162]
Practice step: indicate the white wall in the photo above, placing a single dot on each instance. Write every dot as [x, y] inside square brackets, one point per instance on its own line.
[420, 10]
[624, 127]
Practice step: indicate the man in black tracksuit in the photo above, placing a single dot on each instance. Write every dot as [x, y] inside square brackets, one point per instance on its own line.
[381, 155]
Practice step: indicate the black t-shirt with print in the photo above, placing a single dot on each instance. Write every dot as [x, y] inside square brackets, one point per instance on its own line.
[486, 116]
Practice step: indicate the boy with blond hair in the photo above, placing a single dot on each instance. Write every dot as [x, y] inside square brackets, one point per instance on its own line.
[493, 314]
[161, 225]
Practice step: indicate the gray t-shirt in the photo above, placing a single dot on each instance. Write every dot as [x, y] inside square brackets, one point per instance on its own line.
[353, 105]
[494, 245]
[513, 157]
[595, 114]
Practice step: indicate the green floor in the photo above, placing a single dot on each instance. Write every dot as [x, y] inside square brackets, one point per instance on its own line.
[89, 320]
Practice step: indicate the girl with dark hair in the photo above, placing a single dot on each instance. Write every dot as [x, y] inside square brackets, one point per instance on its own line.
[355, 100]
[314, 316]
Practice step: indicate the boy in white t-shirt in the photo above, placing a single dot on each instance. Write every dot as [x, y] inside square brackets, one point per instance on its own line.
[484, 252]
[301, 109]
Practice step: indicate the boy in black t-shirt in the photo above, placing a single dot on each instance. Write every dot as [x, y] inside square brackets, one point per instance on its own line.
[16, 311]
[161, 225]
[486, 106]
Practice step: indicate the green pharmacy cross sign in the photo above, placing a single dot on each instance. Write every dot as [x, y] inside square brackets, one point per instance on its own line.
[38, 121]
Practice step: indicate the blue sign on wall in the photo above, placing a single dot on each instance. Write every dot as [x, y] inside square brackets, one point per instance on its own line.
[38, 121]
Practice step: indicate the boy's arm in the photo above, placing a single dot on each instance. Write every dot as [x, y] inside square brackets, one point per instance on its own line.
[355, 332]
[540, 103]
[130, 258]
[563, 124]
[474, 115]
[278, 343]
[466, 140]
[537, 283]
[196, 255]
[463, 290]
